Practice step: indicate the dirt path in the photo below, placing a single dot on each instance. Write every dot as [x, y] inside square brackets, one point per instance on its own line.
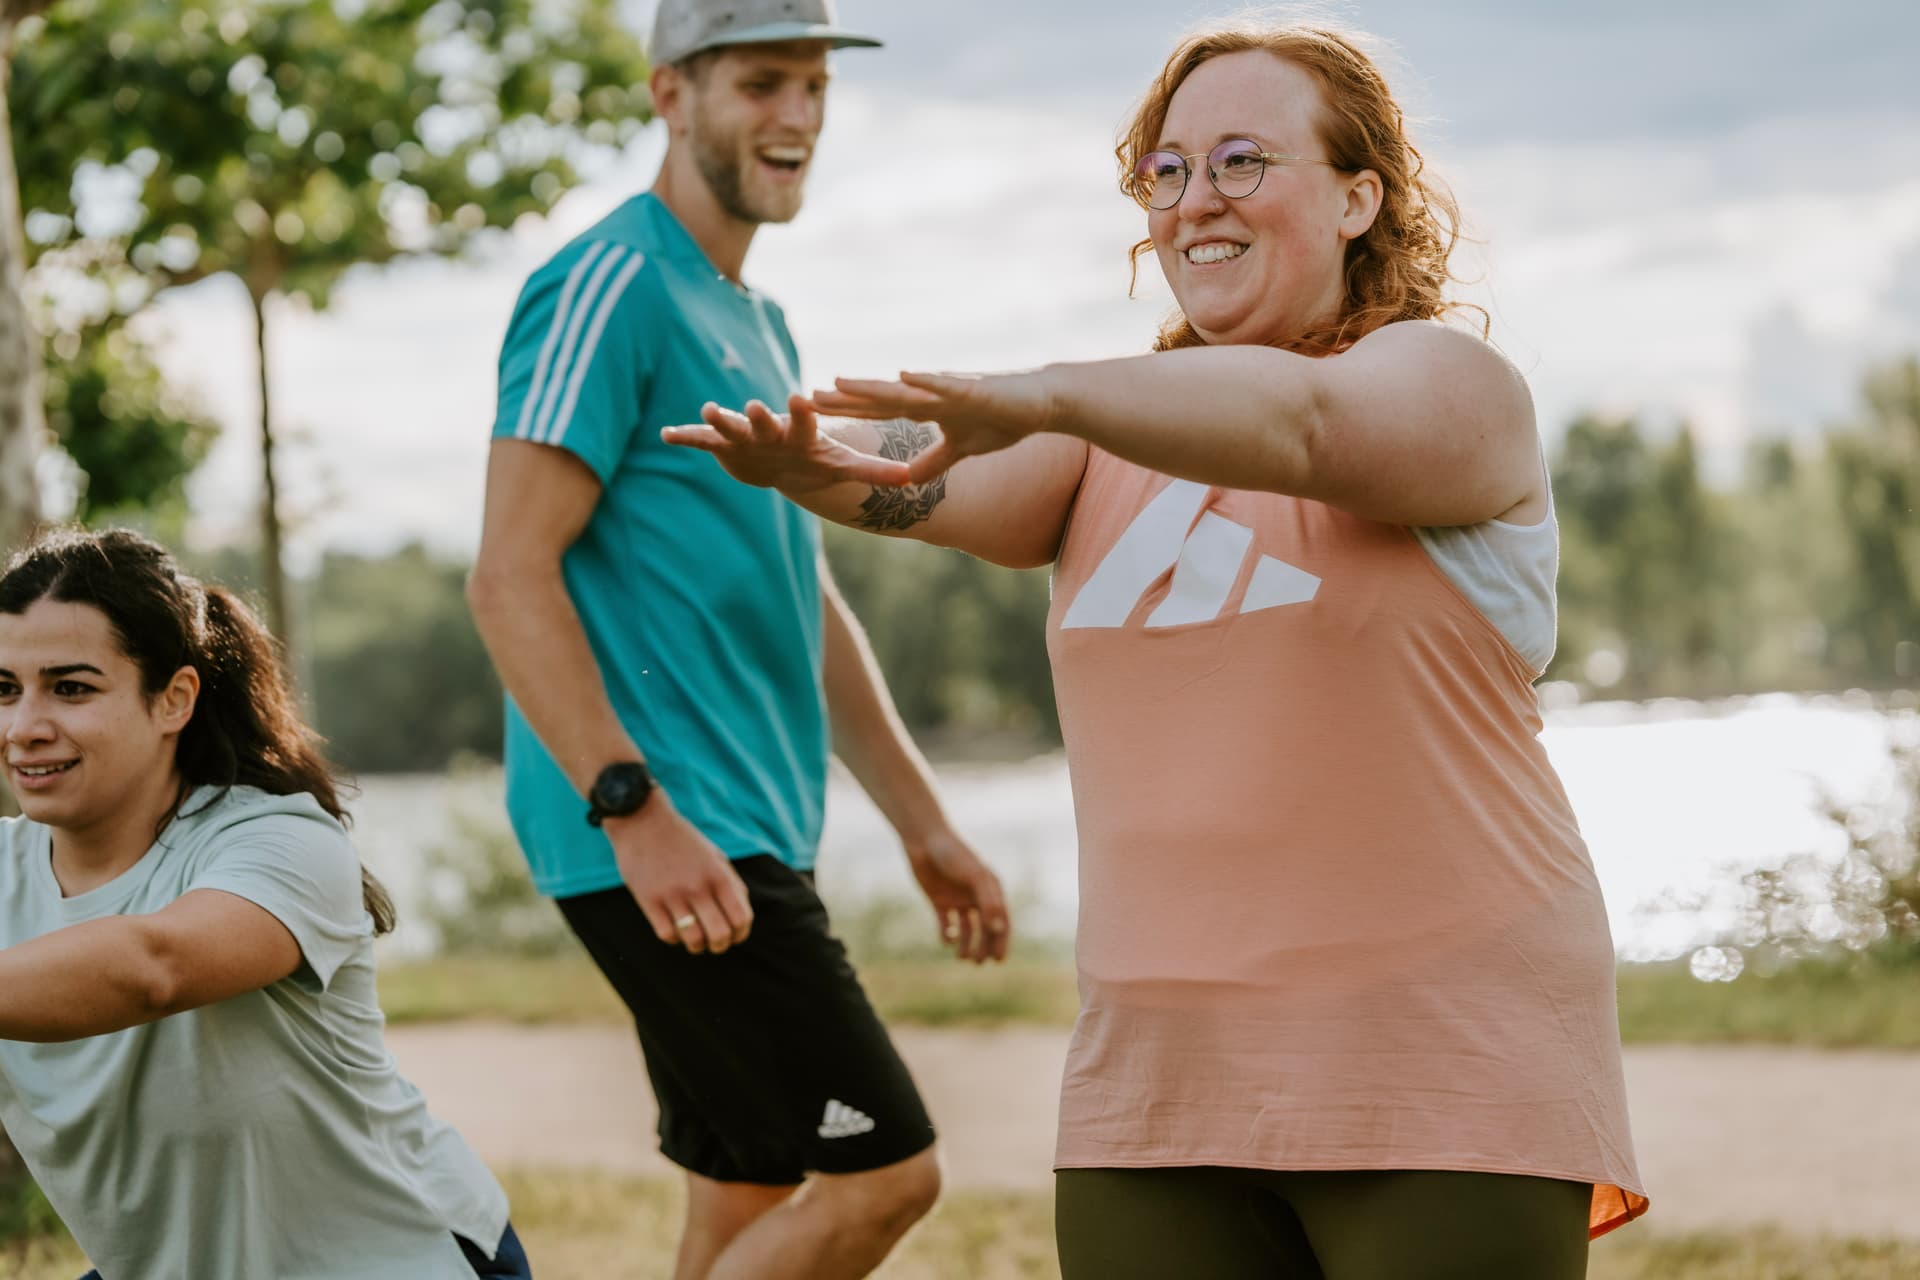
[1807, 1141]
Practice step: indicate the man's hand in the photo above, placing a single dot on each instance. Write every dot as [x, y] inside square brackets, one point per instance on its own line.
[690, 893]
[966, 897]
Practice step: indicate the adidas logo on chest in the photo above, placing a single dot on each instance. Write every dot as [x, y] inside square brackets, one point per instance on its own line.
[1206, 558]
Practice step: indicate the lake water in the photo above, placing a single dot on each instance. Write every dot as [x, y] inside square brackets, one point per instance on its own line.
[1675, 800]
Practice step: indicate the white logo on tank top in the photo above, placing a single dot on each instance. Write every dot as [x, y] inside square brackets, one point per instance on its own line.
[1206, 559]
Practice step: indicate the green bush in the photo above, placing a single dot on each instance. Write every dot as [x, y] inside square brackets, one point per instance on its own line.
[480, 899]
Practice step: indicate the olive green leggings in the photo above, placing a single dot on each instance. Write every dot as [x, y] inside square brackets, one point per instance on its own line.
[1256, 1224]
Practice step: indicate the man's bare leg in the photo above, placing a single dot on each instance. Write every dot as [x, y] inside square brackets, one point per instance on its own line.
[836, 1227]
[716, 1213]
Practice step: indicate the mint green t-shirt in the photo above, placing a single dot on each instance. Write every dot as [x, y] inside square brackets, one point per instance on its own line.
[265, 1136]
[699, 595]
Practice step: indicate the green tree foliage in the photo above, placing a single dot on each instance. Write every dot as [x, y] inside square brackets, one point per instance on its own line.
[396, 670]
[1651, 574]
[133, 439]
[285, 141]
[398, 676]
[962, 642]
[1875, 473]
[1795, 571]
[1804, 575]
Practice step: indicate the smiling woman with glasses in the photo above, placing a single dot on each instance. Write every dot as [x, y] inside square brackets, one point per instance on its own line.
[1346, 977]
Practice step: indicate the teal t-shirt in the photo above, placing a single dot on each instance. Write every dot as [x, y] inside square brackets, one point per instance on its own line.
[267, 1135]
[700, 596]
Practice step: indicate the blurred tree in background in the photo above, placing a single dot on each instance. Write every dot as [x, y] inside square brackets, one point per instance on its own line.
[283, 142]
[962, 642]
[396, 675]
[1875, 470]
[1652, 577]
[132, 439]
[1805, 575]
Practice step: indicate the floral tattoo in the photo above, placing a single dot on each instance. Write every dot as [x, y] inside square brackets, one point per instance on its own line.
[901, 508]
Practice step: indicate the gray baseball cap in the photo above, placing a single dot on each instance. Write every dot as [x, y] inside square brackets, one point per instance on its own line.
[682, 28]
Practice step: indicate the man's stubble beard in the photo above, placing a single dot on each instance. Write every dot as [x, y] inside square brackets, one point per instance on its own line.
[723, 167]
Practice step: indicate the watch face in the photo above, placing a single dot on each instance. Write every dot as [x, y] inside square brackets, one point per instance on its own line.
[621, 788]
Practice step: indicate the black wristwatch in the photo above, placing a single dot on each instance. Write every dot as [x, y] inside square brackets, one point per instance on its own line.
[619, 790]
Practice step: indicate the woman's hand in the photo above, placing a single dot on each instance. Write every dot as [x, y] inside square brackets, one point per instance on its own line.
[788, 453]
[976, 413]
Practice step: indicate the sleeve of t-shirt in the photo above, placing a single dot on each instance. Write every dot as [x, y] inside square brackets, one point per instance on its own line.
[578, 354]
[303, 871]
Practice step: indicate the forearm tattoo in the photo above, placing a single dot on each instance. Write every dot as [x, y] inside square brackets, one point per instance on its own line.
[887, 509]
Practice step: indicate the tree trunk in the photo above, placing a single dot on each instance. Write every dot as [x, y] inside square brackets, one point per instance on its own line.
[22, 409]
[23, 421]
[273, 575]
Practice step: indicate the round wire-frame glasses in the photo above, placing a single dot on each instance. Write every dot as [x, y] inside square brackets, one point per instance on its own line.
[1235, 168]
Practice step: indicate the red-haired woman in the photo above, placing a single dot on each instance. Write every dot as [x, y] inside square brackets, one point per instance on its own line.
[1348, 987]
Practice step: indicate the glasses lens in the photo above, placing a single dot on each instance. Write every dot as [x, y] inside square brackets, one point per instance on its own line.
[1237, 166]
[1162, 176]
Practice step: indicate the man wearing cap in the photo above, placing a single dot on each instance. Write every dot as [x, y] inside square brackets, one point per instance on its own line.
[675, 655]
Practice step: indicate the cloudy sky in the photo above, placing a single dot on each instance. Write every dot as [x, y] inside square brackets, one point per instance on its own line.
[1706, 212]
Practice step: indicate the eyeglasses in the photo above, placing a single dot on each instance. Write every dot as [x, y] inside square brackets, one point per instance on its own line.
[1235, 166]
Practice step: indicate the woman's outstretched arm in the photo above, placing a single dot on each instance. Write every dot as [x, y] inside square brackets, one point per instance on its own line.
[1415, 424]
[107, 975]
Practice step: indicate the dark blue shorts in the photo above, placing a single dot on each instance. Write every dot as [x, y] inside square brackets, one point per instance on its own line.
[508, 1263]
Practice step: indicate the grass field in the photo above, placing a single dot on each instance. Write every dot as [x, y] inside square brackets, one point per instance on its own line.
[1813, 1005]
[623, 1229]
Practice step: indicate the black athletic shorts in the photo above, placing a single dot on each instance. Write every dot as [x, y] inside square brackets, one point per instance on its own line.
[767, 1061]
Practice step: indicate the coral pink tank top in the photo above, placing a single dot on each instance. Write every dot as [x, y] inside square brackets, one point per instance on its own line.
[1335, 909]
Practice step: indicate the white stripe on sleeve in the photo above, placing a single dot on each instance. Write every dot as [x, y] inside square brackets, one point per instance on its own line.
[567, 291]
[557, 430]
[569, 343]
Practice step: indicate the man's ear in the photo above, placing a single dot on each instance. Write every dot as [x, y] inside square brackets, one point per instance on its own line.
[669, 87]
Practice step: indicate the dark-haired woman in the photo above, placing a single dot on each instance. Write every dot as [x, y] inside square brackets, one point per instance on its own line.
[191, 1054]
